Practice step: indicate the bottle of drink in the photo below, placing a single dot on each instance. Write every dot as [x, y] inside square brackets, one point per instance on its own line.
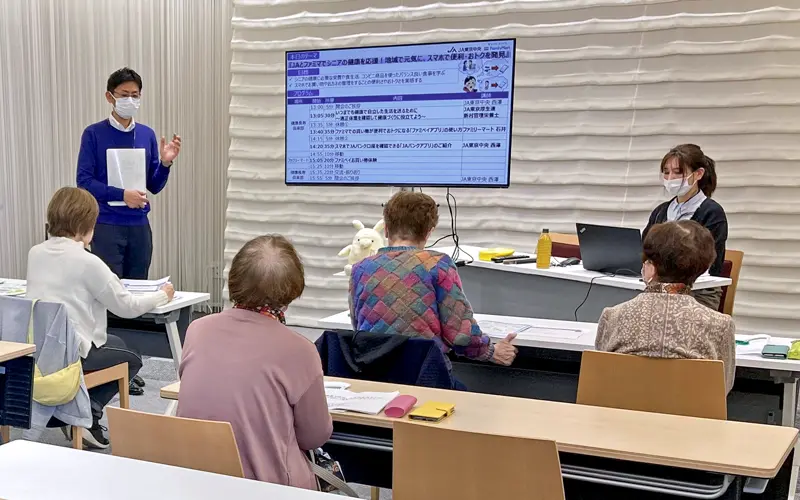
[544, 248]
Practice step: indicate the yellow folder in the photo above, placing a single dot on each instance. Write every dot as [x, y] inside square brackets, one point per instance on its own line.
[432, 411]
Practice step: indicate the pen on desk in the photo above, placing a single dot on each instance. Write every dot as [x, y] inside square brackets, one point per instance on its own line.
[500, 260]
[531, 260]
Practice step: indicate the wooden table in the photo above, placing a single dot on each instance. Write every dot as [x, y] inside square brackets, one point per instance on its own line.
[36, 471]
[560, 343]
[727, 447]
[13, 350]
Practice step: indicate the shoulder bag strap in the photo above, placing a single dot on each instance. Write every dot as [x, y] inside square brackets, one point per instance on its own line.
[30, 321]
[330, 478]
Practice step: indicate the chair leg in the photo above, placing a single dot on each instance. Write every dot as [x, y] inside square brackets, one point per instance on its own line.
[5, 434]
[77, 437]
[124, 394]
[375, 493]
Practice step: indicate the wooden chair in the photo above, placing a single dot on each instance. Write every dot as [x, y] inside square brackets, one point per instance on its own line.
[118, 373]
[521, 468]
[690, 387]
[182, 442]
[733, 258]
[93, 379]
[565, 245]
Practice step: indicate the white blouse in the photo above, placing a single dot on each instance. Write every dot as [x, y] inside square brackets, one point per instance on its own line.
[61, 270]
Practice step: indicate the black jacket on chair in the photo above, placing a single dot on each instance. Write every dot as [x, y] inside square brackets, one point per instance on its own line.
[384, 358]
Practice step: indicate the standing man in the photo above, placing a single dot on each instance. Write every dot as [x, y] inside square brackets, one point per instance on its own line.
[119, 161]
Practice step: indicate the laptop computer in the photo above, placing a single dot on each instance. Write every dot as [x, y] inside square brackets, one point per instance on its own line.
[607, 249]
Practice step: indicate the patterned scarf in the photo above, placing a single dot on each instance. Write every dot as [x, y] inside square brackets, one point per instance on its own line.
[267, 311]
[670, 288]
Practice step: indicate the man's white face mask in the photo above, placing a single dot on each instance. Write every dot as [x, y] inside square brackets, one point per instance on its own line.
[126, 107]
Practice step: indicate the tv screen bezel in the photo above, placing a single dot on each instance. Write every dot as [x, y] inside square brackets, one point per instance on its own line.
[405, 184]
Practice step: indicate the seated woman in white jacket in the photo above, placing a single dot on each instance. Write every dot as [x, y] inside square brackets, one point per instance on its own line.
[61, 270]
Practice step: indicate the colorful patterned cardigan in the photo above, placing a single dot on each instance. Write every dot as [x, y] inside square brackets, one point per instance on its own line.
[407, 291]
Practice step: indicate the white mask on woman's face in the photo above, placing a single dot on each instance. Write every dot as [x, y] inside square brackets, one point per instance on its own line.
[648, 271]
[677, 187]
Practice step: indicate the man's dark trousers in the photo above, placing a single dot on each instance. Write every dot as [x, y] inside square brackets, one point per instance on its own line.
[127, 250]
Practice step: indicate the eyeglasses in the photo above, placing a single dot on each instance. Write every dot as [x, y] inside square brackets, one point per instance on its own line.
[135, 95]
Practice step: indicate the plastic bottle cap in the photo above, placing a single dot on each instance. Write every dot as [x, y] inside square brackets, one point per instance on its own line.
[545, 230]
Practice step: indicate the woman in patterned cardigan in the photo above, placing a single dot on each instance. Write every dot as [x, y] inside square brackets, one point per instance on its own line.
[666, 321]
[408, 290]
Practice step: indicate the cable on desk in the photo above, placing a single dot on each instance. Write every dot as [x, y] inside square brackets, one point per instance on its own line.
[591, 283]
[452, 206]
[586, 297]
[431, 245]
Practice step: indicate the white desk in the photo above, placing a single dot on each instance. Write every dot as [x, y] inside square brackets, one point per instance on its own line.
[553, 293]
[570, 273]
[562, 293]
[167, 315]
[562, 335]
[35, 471]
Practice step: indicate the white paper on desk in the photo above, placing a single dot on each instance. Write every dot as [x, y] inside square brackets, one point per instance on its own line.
[12, 289]
[370, 403]
[336, 385]
[551, 331]
[126, 169]
[145, 286]
[498, 329]
[755, 345]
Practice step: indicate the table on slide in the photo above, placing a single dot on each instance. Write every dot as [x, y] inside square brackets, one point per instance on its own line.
[553, 293]
[549, 359]
[166, 315]
[716, 446]
[36, 471]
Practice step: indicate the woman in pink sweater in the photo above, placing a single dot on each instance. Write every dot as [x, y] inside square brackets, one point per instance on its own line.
[244, 366]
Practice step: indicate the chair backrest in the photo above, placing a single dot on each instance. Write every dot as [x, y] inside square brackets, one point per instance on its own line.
[690, 387]
[565, 245]
[733, 258]
[566, 239]
[520, 468]
[182, 442]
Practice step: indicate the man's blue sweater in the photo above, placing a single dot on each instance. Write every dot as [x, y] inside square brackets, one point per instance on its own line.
[93, 173]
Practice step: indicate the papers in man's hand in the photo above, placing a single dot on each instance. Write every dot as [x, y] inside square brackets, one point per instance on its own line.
[370, 403]
[126, 169]
[145, 286]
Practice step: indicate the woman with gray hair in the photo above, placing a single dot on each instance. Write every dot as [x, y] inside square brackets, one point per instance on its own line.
[244, 366]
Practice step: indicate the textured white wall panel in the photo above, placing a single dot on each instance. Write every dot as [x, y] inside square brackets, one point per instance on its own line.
[603, 89]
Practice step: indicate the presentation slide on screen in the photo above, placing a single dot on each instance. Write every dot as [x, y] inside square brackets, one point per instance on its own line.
[412, 115]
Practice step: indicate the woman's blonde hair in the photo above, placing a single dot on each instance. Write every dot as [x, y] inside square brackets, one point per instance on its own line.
[72, 212]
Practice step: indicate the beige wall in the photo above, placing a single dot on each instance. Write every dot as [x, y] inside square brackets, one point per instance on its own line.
[55, 58]
[603, 90]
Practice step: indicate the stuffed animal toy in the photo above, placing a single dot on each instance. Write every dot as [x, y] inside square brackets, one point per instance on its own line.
[366, 242]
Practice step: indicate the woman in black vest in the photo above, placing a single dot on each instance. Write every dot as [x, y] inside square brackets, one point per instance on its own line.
[690, 178]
